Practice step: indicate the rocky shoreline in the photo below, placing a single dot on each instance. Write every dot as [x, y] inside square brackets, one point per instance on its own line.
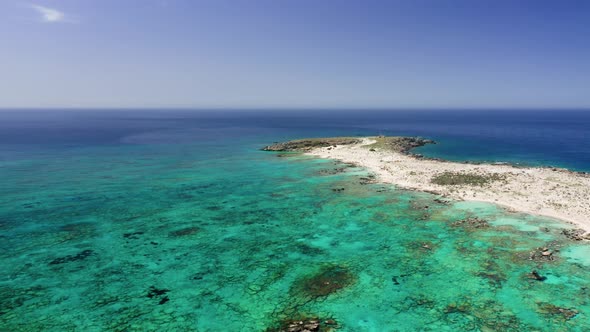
[307, 144]
[547, 191]
[400, 144]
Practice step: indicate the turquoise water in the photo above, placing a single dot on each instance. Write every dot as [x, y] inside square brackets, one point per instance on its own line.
[169, 231]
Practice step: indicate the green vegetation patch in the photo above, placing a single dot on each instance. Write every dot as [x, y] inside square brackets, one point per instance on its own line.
[470, 179]
[397, 143]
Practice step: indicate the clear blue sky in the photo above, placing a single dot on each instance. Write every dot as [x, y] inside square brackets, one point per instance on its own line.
[294, 53]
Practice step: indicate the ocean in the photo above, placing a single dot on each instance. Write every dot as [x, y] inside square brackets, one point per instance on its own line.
[140, 220]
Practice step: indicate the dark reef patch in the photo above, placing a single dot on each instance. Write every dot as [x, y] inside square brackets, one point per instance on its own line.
[12, 298]
[332, 171]
[158, 293]
[543, 254]
[549, 309]
[133, 235]
[471, 223]
[184, 232]
[72, 258]
[326, 281]
[308, 250]
[369, 179]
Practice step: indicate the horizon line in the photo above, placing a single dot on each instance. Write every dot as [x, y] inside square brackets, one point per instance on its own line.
[307, 108]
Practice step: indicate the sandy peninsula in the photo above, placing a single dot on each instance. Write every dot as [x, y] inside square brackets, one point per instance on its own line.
[552, 192]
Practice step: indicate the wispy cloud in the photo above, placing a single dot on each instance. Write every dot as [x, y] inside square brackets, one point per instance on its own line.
[49, 15]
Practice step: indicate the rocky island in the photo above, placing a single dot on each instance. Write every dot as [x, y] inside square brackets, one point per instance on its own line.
[552, 192]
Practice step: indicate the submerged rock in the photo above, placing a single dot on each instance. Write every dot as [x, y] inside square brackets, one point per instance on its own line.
[367, 179]
[473, 222]
[72, 258]
[159, 294]
[332, 171]
[155, 292]
[542, 254]
[133, 235]
[308, 250]
[553, 310]
[576, 234]
[535, 275]
[184, 232]
[442, 201]
[457, 308]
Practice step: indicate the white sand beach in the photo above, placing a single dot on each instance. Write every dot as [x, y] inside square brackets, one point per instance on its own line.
[552, 192]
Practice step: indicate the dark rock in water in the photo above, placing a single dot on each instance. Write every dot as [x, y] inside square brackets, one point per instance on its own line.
[72, 258]
[441, 201]
[184, 232]
[576, 234]
[133, 235]
[396, 279]
[542, 254]
[198, 276]
[308, 144]
[535, 275]
[367, 179]
[471, 223]
[328, 280]
[156, 292]
[332, 171]
[164, 300]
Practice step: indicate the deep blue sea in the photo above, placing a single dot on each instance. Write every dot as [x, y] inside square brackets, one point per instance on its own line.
[174, 220]
[536, 137]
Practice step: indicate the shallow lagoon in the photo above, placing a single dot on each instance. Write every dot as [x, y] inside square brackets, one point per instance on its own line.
[144, 239]
[214, 235]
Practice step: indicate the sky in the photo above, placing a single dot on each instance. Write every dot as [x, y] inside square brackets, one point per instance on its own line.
[294, 54]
